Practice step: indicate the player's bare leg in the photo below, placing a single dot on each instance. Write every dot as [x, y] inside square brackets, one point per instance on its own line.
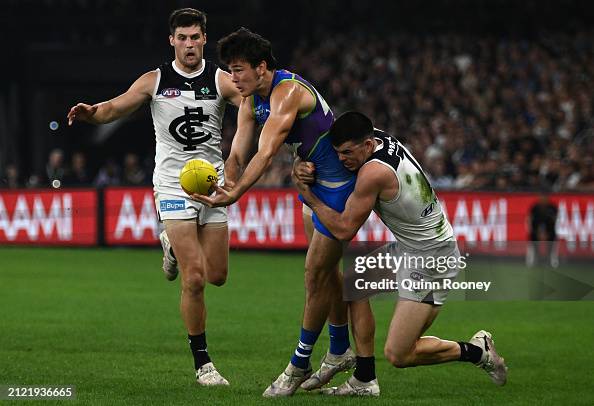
[331, 363]
[363, 327]
[320, 279]
[406, 348]
[338, 310]
[183, 236]
[214, 242]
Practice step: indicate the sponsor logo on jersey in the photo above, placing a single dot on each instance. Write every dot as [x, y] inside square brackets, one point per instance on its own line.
[171, 92]
[428, 210]
[172, 205]
[261, 113]
[204, 94]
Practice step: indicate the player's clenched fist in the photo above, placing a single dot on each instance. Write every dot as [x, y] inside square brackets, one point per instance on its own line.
[303, 171]
[81, 112]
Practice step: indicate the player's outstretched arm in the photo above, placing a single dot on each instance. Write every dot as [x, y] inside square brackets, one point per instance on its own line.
[371, 180]
[126, 103]
[284, 107]
[242, 143]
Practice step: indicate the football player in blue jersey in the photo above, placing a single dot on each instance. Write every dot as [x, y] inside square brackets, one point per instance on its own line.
[291, 111]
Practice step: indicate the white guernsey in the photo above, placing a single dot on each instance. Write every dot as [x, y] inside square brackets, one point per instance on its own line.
[391, 182]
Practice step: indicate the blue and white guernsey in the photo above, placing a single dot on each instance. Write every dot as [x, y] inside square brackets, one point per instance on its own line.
[308, 136]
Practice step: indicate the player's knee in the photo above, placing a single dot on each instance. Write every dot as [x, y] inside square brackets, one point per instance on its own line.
[216, 272]
[398, 359]
[218, 281]
[218, 277]
[193, 282]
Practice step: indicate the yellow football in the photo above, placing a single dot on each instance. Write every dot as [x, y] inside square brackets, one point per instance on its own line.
[198, 176]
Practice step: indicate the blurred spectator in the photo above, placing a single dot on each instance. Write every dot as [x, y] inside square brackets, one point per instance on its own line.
[439, 178]
[34, 181]
[133, 174]
[543, 235]
[54, 169]
[77, 173]
[464, 178]
[586, 180]
[109, 174]
[11, 179]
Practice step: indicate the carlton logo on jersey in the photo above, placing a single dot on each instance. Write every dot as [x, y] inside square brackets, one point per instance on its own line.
[186, 129]
[170, 93]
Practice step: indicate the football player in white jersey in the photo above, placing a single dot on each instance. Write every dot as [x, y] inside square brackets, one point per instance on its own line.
[187, 99]
[391, 182]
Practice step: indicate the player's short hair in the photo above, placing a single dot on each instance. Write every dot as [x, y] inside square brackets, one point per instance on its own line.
[244, 45]
[351, 126]
[187, 17]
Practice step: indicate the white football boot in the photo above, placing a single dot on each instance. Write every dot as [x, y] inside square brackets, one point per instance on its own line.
[169, 261]
[288, 382]
[330, 366]
[354, 387]
[491, 362]
[207, 375]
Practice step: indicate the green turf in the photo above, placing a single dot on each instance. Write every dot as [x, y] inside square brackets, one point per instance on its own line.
[106, 321]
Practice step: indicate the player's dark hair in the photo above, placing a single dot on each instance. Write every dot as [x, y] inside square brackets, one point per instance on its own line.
[187, 17]
[351, 126]
[244, 45]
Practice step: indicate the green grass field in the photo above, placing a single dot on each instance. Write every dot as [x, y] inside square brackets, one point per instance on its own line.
[107, 321]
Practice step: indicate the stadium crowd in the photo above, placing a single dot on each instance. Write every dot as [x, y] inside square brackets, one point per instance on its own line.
[479, 112]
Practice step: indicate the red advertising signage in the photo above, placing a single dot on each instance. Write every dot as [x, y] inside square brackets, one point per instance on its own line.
[130, 216]
[48, 217]
[271, 218]
[503, 217]
[267, 219]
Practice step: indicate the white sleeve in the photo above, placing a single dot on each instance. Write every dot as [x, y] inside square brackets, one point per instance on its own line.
[217, 74]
